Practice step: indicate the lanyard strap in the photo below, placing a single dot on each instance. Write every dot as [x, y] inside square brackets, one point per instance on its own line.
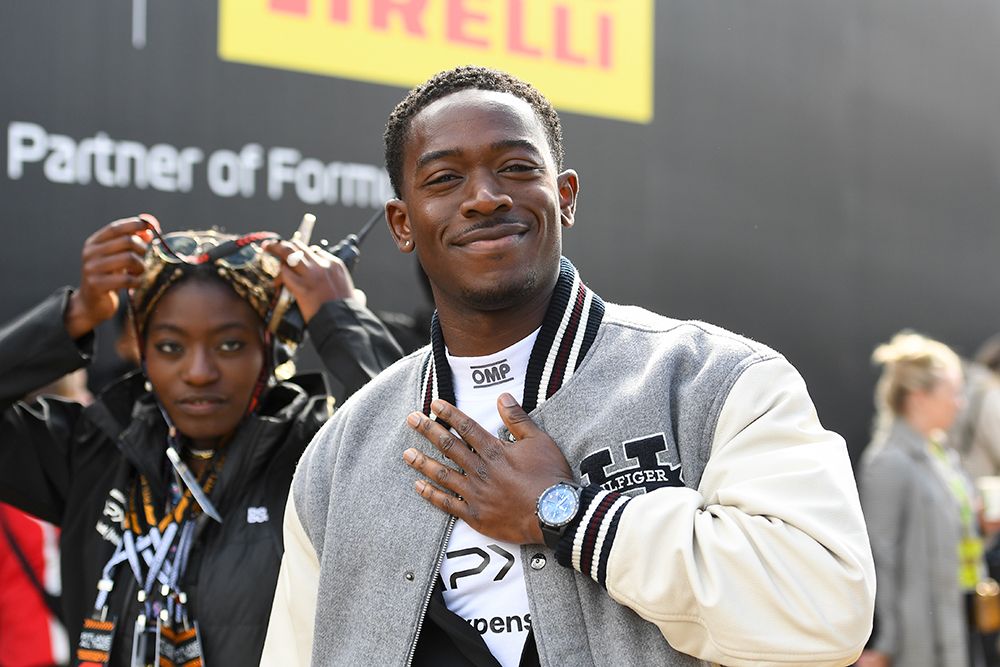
[193, 487]
[176, 603]
[107, 581]
[158, 542]
[154, 549]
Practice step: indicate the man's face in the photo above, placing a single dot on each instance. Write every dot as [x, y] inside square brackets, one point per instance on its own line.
[482, 203]
[203, 356]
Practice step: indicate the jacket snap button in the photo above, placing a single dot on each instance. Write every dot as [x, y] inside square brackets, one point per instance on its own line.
[408, 576]
[537, 562]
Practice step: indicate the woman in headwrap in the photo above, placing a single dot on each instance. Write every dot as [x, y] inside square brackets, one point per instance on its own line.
[170, 489]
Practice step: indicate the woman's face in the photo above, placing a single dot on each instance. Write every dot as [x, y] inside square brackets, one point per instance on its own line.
[939, 405]
[204, 353]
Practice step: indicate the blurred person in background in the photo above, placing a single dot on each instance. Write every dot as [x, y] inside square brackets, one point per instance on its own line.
[31, 633]
[170, 488]
[976, 437]
[976, 432]
[919, 506]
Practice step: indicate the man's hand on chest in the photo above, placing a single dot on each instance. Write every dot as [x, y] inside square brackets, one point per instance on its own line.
[497, 484]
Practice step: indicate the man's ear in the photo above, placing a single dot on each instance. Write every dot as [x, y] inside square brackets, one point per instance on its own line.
[569, 187]
[399, 224]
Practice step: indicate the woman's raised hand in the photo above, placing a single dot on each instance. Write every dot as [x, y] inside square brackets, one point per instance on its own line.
[112, 260]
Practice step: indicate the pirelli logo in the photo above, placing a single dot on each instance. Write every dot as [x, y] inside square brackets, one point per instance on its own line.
[588, 56]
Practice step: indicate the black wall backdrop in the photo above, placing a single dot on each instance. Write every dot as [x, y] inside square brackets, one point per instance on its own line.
[816, 174]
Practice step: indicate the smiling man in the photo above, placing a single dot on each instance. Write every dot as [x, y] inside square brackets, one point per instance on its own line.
[598, 485]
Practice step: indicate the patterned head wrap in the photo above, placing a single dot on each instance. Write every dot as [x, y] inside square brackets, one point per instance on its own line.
[238, 261]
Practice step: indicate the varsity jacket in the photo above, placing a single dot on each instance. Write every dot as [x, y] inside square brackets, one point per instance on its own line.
[720, 520]
[61, 462]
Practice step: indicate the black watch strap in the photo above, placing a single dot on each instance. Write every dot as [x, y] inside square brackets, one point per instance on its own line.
[552, 534]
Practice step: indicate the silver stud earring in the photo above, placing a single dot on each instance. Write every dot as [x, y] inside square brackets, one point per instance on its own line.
[148, 386]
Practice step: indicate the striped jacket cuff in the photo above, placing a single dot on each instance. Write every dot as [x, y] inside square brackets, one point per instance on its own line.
[586, 544]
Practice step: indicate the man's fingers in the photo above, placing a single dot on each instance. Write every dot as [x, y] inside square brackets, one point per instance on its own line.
[447, 443]
[443, 501]
[442, 475]
[515, 418]
[466, 427]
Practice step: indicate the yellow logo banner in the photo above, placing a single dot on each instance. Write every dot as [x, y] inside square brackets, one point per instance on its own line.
[592, 57]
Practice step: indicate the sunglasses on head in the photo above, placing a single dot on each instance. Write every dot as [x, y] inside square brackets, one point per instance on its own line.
[191, 248]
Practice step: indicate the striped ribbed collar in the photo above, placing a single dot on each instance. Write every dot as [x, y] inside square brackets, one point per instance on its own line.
[567, 332]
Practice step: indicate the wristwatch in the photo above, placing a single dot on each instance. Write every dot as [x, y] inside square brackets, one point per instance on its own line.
[557, 506]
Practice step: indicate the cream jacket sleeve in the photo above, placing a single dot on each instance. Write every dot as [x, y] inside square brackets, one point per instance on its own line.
[767, 562]
[290, 631]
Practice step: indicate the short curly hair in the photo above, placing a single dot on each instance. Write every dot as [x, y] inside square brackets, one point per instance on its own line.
[445, 83]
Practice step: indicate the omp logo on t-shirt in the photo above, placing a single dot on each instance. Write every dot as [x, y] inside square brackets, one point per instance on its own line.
[491, 374]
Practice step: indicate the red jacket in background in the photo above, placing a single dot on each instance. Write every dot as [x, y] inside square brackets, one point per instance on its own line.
[29, 635]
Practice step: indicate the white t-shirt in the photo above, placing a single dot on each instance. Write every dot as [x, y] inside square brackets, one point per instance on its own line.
[483, 578]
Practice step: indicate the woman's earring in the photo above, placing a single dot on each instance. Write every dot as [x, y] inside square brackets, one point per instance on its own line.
[148, 386]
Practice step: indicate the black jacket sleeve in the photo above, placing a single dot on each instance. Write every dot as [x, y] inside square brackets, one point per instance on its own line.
[353, 344]
[35, 436]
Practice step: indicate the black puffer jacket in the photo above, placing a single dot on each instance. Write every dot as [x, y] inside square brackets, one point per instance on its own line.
[60, 462]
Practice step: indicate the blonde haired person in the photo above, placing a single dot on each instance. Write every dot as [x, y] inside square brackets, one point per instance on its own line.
[919, 509]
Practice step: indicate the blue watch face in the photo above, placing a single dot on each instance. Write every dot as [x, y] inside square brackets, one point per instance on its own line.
[558, 505]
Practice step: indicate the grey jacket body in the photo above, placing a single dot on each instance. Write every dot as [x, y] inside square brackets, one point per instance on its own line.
[915, 527]
[741, 539]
